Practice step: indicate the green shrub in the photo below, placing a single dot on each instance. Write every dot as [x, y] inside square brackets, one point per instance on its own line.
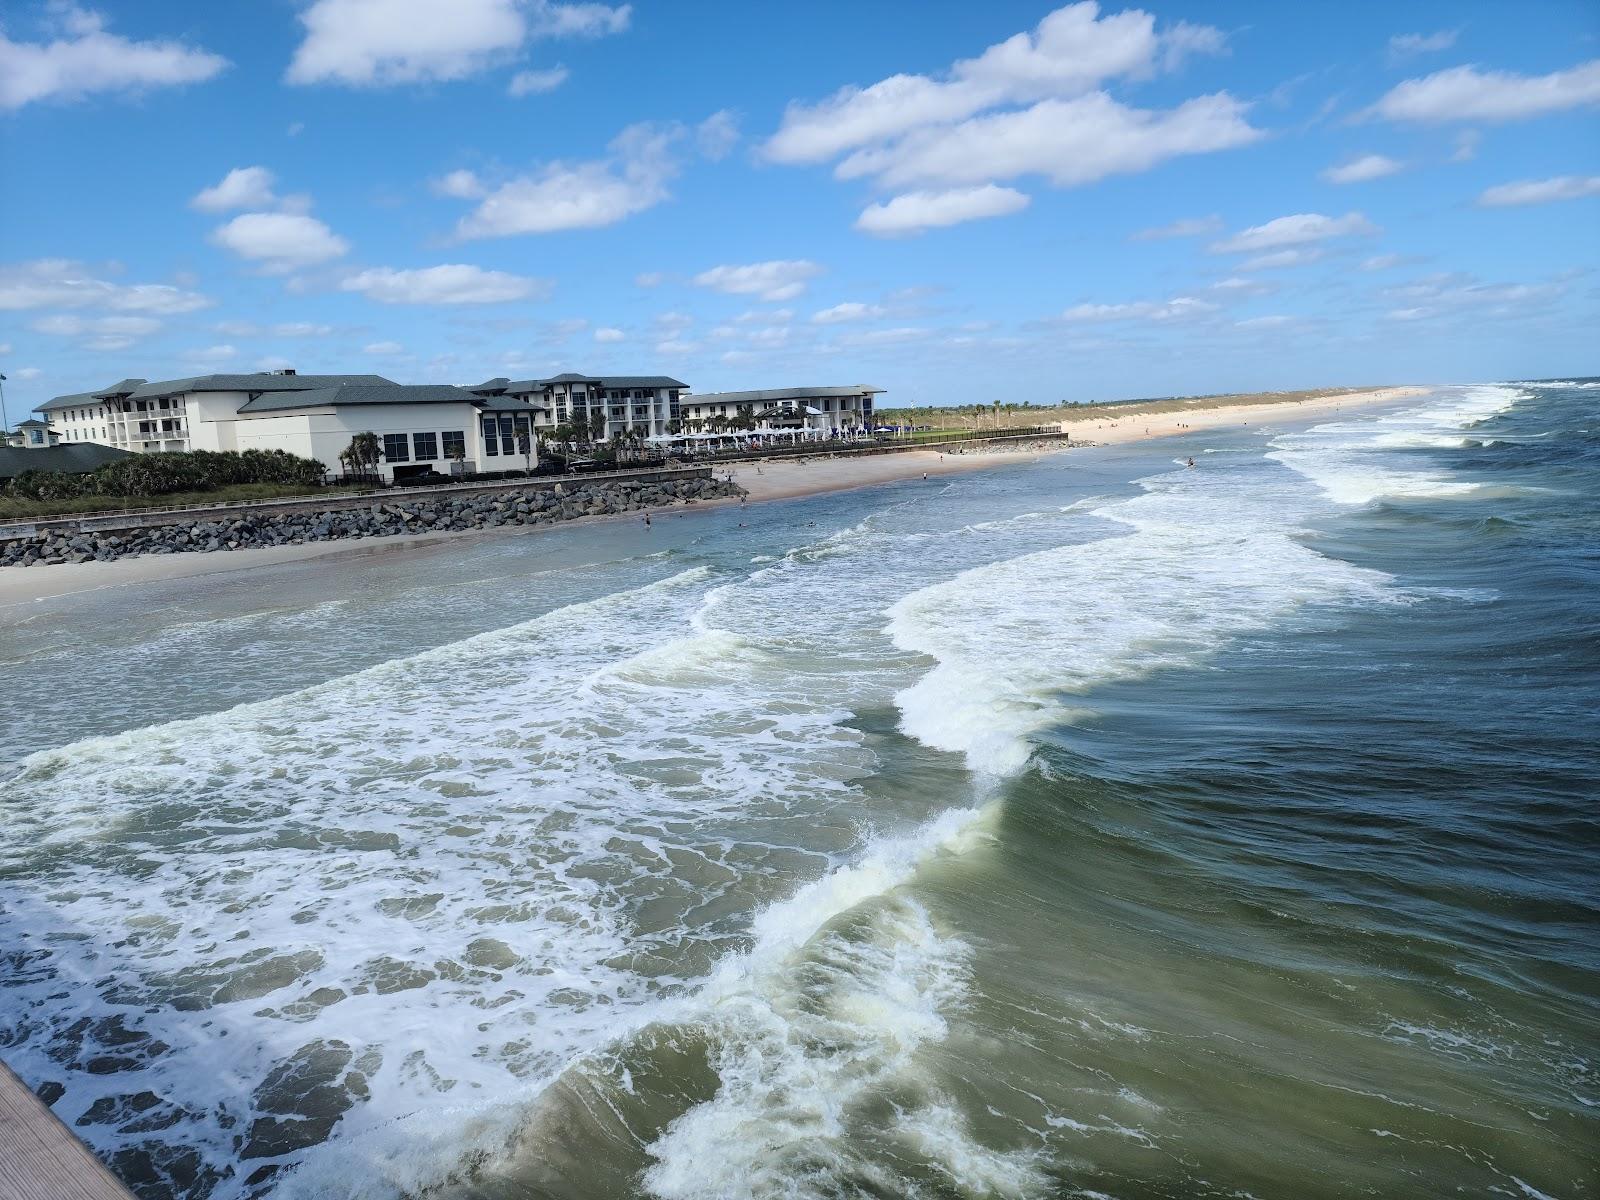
[161, 474]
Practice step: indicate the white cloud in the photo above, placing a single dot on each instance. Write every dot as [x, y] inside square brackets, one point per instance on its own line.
[1069, 142]
[105, 345]
[578, 20]
[1179, 308]
[1444, 294]
[62, 283]
[68, 325]
[535, 83]
[383, 348]
[294, 329]
[1541, 191]
[1381, 262]
[1360, 170]
[1276, 259]
[1297, 230]
[649, 279]
[674, 320]
[242, 187]
[915, 212]
[1268, 322]
[717, 135]
[1235, 286]
[776, 280]
[1070, 51]
[29, 373]
[851, 310]
[86, 59]
[280, 242]
[607, 335]
[886, 337]
[1403, 45]
[676, 347]
[1186, 227]
[379, 42]
[1466, 146]
[584, 195]
[1468, 94]
[453, 283]
[211, 354]
[462, 185]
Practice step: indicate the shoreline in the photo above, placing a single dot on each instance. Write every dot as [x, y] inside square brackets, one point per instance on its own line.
[763, 481]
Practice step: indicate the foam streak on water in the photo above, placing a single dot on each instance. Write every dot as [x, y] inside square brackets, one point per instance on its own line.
[701, 861]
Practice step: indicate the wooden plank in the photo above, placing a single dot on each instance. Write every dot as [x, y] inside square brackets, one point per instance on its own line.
[40, 1159]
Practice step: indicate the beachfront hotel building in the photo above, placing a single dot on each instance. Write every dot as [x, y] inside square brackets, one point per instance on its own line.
[817, 411]
[421, 427]
[427, 427]
[644, 404]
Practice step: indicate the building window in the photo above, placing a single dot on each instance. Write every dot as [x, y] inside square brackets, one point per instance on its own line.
[394, 448]
[490, 446]
[426, 446]
[455, 444]
[508, 435]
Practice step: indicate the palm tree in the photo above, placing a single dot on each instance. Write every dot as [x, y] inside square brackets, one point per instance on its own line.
[525, 448]
[363, 453]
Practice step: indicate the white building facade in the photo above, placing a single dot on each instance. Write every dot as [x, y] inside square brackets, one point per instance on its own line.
[420, 427]
[601, 407]
[817, 410]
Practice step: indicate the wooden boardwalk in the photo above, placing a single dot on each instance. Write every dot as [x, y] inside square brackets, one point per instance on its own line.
[40, 1159]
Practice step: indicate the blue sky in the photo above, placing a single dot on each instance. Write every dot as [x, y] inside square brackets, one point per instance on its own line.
[954, 202]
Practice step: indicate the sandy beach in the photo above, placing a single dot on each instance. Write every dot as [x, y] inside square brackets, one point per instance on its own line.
[783, 480]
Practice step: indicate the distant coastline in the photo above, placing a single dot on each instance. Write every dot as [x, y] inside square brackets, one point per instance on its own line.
[772, 480]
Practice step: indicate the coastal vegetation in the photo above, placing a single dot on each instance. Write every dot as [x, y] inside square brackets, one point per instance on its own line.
[15, 509]
[142, 477]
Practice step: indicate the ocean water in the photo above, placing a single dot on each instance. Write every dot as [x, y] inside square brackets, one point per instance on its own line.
[1091, 827]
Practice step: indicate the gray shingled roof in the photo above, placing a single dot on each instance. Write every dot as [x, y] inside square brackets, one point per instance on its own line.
[762, 395]
[74, 459]
[348, 394]
[263, 381]
[89, 399]
[121, 388]
[507, 404]
[606, 381]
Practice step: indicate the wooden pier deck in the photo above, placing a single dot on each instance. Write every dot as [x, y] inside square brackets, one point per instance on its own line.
[40, 1159]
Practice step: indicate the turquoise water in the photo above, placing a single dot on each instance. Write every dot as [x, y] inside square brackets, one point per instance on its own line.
[1096, 827]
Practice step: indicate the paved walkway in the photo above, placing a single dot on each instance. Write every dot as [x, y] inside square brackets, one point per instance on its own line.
[39, 1157]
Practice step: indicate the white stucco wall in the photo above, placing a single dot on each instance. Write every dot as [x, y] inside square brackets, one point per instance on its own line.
[324, 433]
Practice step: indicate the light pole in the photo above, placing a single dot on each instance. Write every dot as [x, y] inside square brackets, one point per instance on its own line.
[5, 421]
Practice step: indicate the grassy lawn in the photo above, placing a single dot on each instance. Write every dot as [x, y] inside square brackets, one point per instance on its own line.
[14, 509]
